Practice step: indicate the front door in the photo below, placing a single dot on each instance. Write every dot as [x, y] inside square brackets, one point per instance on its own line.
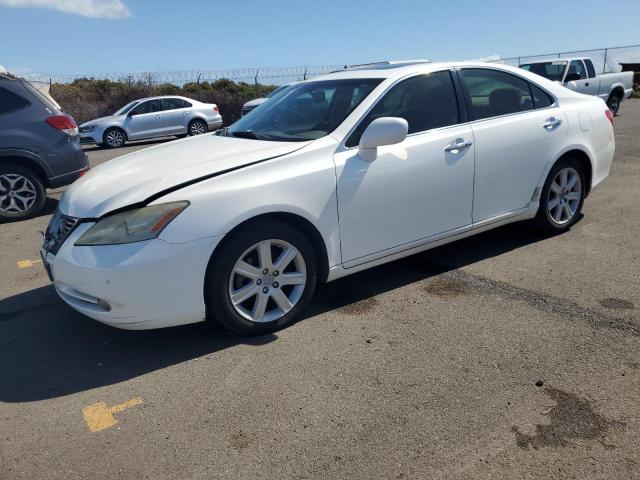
[413, 190]
[145, 120]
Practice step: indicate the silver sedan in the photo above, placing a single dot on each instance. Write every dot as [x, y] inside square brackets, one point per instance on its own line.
[152, 117]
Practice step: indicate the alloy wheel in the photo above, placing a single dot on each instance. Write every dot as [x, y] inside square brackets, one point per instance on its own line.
[198, 128]
[114, 138]
[267, 281]
[565, 194]
[17, 193]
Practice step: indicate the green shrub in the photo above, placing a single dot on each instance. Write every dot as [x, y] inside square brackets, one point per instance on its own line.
[89, 98]
[636, 92]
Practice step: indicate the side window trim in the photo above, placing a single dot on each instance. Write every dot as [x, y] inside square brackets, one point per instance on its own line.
[461, 119]
[467, 96]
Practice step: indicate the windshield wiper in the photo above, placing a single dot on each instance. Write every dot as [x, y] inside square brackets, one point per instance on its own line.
[250, 134]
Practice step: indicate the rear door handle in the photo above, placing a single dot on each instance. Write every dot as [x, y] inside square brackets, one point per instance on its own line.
[458, 145]
[552, 123]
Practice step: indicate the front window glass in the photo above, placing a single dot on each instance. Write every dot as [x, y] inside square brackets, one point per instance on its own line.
[147, 107]
[425, 102]
[576, 68]
[305, 111]
[551, 70]
[126, 108]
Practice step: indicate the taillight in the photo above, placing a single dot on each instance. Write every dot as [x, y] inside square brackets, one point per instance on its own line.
[609, 115]
[215, 108]
[64, 123]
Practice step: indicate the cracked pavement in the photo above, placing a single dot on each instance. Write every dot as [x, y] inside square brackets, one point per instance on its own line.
[505, 355]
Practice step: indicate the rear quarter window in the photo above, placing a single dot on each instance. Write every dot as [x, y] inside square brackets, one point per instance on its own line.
[10, 102]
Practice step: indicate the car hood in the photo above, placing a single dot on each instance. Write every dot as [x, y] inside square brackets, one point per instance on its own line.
[108, 118]
[138, 176]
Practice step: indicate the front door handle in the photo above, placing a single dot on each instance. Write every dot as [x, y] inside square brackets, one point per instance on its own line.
[458, 145]
[552, 123]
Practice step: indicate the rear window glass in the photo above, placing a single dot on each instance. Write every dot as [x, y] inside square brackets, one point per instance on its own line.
[541, 99]
[40, 96]
[10, 102]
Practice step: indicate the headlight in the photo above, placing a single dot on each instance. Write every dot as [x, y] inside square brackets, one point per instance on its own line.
[132, 226]
[88, 128]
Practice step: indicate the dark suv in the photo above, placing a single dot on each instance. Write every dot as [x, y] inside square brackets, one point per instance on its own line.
[39, 149]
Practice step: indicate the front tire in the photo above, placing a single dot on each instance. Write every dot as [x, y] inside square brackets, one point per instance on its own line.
[260, 278]
[562, 196]
[197, 127]
[113, 138]
[22, 193]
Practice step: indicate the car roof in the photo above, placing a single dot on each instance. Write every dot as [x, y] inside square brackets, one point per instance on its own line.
[555, 59]
[403, 68]
[159, 97]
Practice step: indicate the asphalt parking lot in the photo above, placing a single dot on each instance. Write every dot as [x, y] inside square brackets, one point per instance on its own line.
[506, 355]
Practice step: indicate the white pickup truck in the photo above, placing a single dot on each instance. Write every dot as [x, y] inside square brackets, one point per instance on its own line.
[579, 74]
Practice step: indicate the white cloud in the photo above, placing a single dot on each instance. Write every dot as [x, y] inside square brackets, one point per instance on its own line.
[111, 9]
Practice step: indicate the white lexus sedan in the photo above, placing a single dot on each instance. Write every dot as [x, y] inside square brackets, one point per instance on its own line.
[151, 118]
[332, 176]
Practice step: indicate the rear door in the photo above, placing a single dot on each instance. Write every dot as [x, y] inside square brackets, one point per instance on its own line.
[517, 128]
[146, 120]
[176, 115]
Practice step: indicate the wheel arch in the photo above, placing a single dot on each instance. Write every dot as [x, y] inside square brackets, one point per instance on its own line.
[27, 161]
[115, 127]
[585, 162]
[617, 90]
[302, 224]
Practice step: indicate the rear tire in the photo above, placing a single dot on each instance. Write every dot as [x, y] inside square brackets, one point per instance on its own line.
[614, 103]
[251, 262]
[562, 197]
[22, 193]
[113, 138]
[197, 127]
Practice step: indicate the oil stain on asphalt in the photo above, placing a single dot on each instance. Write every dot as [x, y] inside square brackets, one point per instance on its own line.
[571, 419]
[616, 303]
[358, 308]
[446, 287]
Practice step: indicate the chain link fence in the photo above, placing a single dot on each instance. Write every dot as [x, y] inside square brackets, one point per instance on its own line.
[268, 76]
[605, 60]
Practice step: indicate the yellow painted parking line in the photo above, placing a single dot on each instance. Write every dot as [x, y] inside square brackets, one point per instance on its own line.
[28, 263]
[100, 417]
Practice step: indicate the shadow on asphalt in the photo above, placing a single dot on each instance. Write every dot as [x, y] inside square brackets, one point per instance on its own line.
[48, 350]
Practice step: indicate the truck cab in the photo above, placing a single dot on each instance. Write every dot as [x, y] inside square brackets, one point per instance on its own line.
[579, 74]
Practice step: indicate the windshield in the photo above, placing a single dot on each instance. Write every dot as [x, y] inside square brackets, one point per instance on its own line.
[126, 108]
[551, 70]
[277, 90]
[305, 111]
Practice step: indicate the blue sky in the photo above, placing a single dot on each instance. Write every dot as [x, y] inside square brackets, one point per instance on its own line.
[93, 36]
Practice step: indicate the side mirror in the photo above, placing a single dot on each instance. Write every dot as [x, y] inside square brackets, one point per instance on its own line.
[382, 131]
[572, 77]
